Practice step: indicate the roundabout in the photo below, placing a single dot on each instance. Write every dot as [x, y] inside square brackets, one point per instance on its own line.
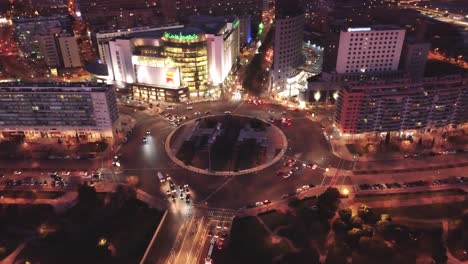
[226, 145]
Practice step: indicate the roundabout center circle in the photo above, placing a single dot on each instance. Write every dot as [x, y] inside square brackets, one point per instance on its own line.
[226, 145]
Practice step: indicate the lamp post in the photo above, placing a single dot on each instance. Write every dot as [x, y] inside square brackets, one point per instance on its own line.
[317, 96]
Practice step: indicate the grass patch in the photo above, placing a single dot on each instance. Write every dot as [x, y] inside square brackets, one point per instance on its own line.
[431, 211]
[358, 150]
[275, 219]
[250, 243]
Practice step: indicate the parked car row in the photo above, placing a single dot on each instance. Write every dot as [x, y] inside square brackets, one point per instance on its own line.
[182, 191]
[420, 183]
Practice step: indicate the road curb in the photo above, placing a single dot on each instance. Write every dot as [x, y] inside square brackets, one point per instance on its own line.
[278, 157]
[163, 219]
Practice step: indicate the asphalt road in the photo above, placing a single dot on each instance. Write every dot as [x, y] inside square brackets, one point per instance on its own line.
[306, 142]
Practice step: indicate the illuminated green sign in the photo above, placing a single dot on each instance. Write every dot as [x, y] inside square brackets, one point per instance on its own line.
[260, 29]
[180, 36]
[236, 24]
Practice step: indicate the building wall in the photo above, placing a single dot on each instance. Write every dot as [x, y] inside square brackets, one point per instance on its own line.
[48, 50]
[41, 111]
[69, 51]
[121, 54]
[101, 38]
[369, 49]
[402, 105]
[414, 58]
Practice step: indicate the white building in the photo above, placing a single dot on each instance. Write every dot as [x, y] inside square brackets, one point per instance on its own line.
[173, 64]
[286, 78]
[102, 37]
[369, 49]
[42, 111]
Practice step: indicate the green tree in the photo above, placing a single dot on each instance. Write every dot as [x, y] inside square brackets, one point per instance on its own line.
[345, 214]
[340, 227]
[356, 221]
[87, 195]
[365, 213]
[367, 230]
[382, 227]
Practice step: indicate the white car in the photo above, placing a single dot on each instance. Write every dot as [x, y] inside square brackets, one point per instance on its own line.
[257, 204]
[197, 113]
[314, 167]
[189, 107]
[305, 187]
[17, 172]
[227, 112]
[65, 173]
[287, 175]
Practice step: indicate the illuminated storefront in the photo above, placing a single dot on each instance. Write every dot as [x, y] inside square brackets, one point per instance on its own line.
[187, 49]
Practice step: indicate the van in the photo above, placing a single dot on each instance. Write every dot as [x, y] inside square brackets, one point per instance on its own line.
[161, 177]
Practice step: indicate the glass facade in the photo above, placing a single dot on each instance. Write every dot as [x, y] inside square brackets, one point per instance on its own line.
[190, 55]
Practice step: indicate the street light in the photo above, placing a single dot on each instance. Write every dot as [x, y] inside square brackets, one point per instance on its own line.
[317, 96]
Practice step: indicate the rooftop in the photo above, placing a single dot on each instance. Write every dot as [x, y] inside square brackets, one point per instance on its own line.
[53, 87]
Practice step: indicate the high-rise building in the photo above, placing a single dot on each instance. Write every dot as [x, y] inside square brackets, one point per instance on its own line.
[402, 105]
[366, 49]
[286, 78]
[48, 49]
[47, 110]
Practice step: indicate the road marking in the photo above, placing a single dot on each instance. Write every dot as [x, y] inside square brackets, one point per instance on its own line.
[199, 229]
[219, 188]
[238, 106]
[187, 232]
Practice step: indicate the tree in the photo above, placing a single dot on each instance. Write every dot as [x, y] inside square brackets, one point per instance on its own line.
[367, 230]
[345, 214]
[328, 202]
[87, 195]
[387, 138]
[356, 222]
[382, 227]
[340, 227]
[365, 213]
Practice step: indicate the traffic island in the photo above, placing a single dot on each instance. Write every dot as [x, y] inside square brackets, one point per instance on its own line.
[226, 145]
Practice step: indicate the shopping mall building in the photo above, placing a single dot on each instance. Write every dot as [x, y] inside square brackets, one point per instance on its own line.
[192, 61]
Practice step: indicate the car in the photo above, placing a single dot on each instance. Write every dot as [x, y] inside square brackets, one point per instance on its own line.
[187, 190]
[171, 184]
[266, 202]
[220, 244]
[219, 226]
[305, 187]
[145, 140]
[207, 113]
[287, 175]
[189, 107]
[226, 226]
[227, 112]
[197, 113]
[187, 198]
[168, 192]
[173, 197]
[148, 132]
[181, 188]
[161, 177]
[299, 190]
[257, 204]
[65, 173]
[17, 172]
[181, 196]
[170, 107]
